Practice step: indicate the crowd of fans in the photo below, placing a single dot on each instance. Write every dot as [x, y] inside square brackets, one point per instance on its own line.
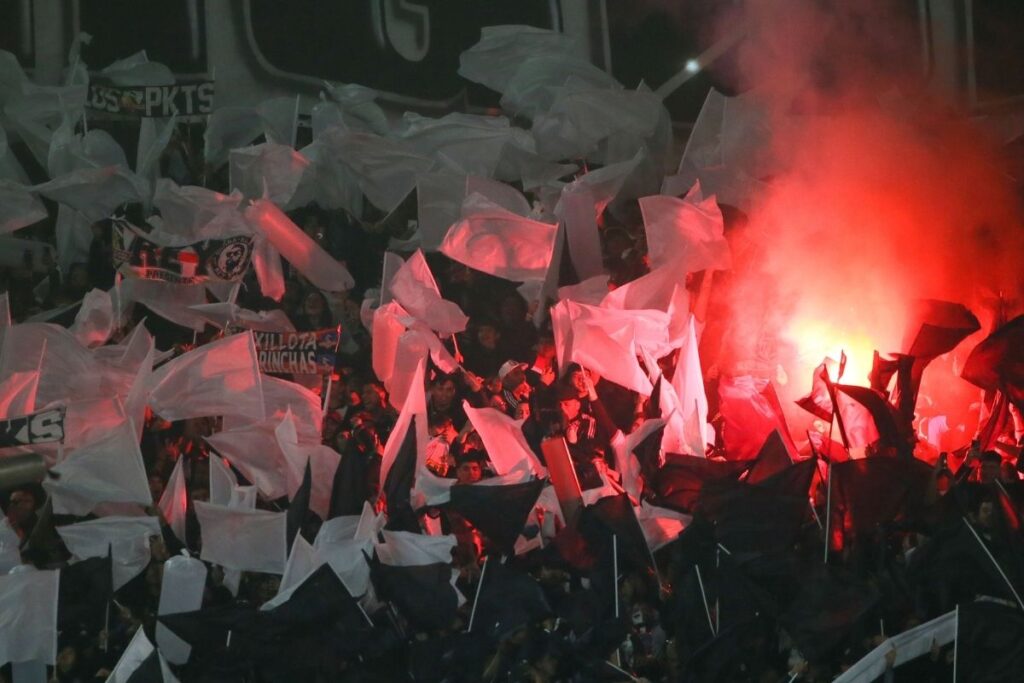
[742, 594]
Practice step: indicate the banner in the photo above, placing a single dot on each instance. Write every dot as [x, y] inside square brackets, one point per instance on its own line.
[181, 99]
[224, 260]
[44, 426]
[305, 353]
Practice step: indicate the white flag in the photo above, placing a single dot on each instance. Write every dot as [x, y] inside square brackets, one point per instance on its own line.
[188, 211]
[298, 248]
[688, 382]
[181, 590]
[224, 314]
[473, 144]
[138, 650]
[685, 233]
[222, 481]
[494, 240]
[229, 128]
[301, 563]
[503, 440]
[174, 501]
[10, 555]
[385, 169]
[246, 540]
[415, 405]
[660, 525]
[28, 603]
[169, 300]
[106, 471]
[254, 451]
[496, 58]
[219, 378]
[414, 287]
[908, 645]
[95, 192]
[126, 538]
[136, 69]
[406, 549]
[95, 319]
[269, 171]
[626, 463]
[18, 207]
[532, 87]
[18, 394]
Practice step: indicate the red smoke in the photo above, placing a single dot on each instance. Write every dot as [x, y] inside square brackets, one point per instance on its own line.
[881, 191]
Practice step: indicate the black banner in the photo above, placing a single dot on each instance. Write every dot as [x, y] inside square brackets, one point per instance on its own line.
[44, 426]
[223, 260]
[305, 353]
[192, 99]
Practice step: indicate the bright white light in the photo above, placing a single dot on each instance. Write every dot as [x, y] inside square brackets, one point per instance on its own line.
[692, 65]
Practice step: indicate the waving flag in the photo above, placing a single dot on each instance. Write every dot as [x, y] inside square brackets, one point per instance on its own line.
[751, 411]
[688, 382]
[494, 60]
[95, 192]
[173, 502]
[384, 168]
[18, 207]
[685, 233]
[472, 143]
[220, 378]
[255, 452]
[269, 171]
[28, 601]
[819, 401]
[141, 662]
[308, 257]
[414, 287]
[997, 362]
[18, 394]
[531, 88]
[107, 471]
[503, 440]
[94, 321]
[246, 540]
[125, 539]
[193, 213]
[494, 240]
[937, 327]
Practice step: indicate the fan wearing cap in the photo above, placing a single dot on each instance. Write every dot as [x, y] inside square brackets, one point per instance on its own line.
[515, 390]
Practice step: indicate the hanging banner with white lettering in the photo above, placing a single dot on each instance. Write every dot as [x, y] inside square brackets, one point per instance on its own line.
[184, 100]
[305, 353]
[44, 426]
[224, 260]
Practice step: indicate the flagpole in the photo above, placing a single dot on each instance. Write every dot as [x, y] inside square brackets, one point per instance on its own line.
[704, 598]
[106, 627]
[476, 598]
[810, 501]
[956, 640]
[295, 122]
[615, 587]
[828, 511]
[622, 671]
[327, 399]
[615, 571]
[718, 613]
[993, 559]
